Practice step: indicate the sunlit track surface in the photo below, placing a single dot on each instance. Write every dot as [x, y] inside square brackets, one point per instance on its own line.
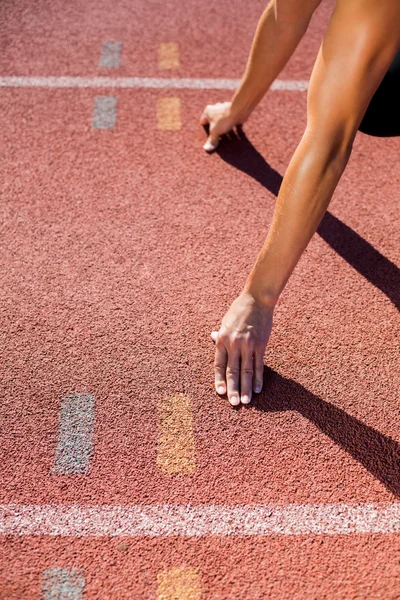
[124, 476]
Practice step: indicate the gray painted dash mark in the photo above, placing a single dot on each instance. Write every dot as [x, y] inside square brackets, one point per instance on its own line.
[105, 112]
[75, 435]
[110, 55]
[62, 584]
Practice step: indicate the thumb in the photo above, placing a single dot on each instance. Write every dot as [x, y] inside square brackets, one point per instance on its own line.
[214, 335]
[211, 143]
[212, 140]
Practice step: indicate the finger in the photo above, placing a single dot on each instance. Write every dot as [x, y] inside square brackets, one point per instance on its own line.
[246, 377]
[232, 376]
[258, 375]
[211, 143]
[233, 135]
[220, 362]
[214, 335]
[204, 119]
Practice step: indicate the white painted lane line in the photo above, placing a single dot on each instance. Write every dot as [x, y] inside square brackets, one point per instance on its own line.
[105, 112]
[142, 82]
[62, 584]
[199, 520]
[110, 55]
[75, 435]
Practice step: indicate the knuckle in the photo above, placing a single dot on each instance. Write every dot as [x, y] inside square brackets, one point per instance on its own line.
[232, 371]
[244, 338]
[247, 371]
[219, 366]
[222, 337]
[234, 338]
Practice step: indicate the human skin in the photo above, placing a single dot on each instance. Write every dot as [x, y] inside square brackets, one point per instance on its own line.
[359, 45]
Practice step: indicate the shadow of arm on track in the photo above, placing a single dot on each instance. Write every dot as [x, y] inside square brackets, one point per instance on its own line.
[379, 454]
[360, 254]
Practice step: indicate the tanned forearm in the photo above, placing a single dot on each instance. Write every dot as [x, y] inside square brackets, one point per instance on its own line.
[307, 188]
[340, 89]
[279, 32]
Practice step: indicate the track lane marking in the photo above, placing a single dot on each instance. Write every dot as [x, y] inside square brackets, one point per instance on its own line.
[104, 112]
[141, 82]
[176, 445]
[168, 55]
[62, 584]
[169, 114]
[75, 435]
[199, 520]
[110, 57]
[178, 582]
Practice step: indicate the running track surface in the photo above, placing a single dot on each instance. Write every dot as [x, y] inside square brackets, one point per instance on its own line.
[121, 250]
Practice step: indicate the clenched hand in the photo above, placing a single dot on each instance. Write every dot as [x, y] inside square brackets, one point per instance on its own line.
[221, 120]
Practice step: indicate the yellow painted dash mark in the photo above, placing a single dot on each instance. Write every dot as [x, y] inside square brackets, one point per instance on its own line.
[168, 55]
[176, 450]
[169, 114]
[179, 583]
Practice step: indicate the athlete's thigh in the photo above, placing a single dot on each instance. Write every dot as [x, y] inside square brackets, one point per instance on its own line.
[359, 45]
[382, 117]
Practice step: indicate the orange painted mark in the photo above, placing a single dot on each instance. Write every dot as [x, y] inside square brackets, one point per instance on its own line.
[168, 55]
[169, 114]
[176, 447]
[179, 583]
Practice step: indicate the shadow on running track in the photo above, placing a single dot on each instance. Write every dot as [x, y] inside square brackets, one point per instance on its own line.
[360, 254]
[378, 453]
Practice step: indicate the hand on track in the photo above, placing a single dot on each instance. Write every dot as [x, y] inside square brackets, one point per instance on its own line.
[240, 346]
[218, 117]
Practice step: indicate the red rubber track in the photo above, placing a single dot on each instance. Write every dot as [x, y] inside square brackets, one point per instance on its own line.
[121, 251]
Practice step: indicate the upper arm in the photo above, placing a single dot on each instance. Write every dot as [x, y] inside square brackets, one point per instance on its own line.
[359, 45]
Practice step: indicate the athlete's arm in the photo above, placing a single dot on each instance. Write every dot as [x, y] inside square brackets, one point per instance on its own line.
[279, 31]
[359, 45]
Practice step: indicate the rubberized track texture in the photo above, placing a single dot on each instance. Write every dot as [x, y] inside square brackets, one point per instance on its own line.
[124, 475]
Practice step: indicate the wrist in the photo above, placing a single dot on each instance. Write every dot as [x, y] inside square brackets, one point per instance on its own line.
[265, 298]
[241, 107]
[247, 96]
[239, 115]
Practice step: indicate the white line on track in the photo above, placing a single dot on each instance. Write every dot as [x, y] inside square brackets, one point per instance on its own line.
[199, 520]
[141, 82]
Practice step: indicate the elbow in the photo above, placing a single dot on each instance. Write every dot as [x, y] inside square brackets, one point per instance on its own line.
[334, 147]
[339, 153]
[322, 159]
